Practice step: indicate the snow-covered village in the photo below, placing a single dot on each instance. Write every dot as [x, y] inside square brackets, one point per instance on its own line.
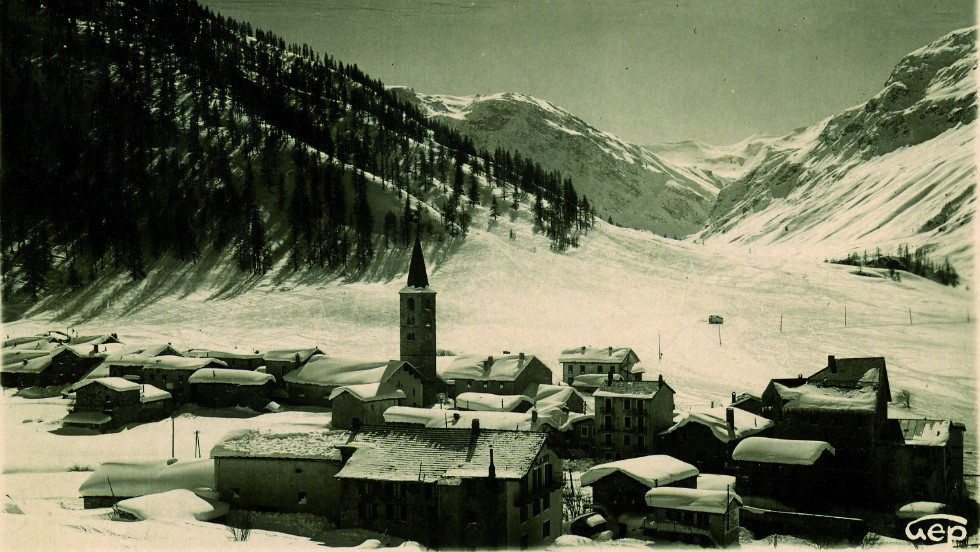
[255, 298]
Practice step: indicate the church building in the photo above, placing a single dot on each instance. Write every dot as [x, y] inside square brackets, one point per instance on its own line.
[417, 322]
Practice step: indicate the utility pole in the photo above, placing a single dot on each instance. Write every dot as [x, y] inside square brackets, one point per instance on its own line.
[173, 438]
[660, 352]
[780, 323]
[197, 443]
[910, 316]
[845, 316]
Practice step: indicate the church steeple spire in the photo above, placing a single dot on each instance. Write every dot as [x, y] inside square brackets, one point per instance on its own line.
[416, 270]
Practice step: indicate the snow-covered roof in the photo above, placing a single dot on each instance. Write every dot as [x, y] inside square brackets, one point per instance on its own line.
[142, 477]
[715, 419]
[93, 339]
[691, 500]
[86, 417]
[234, 354]
[593, 380]
[25, 362]
[652, 471]
[324, 370]
[289, 355]
[139, 352]
[545, 395]
[915, 510]
[254, 444]
[439, 418]
[780, 451]
[366, 392]
[638, 368]
[178, 504]
[491, 402]
[814, 397]
[401, 453]
[151, 393]
[614, 355]
[851, 372]
[716, 481]
[116, 384]
[31, 341]
[483, 367]
[16, 356]
[629, 389]
[228, 375]
[926, 433]
[172, 362]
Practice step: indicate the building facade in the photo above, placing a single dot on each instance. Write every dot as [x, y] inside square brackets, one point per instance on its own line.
[595, 360]
[630, 415]
[453, 488]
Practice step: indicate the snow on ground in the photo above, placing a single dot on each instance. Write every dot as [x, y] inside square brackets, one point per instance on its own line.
[620, 288]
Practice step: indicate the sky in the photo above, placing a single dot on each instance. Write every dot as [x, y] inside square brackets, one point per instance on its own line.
[647, 71]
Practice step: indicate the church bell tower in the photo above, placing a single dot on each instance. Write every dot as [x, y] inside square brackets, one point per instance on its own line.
[417, 320]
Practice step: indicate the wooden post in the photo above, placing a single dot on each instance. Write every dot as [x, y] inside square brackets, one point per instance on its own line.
[719, 334]
[780, 323]
[173, 437]
[910, 316]
[845, 316]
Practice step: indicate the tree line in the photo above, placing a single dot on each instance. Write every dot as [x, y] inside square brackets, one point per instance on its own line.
[136, 130]
[916, 262]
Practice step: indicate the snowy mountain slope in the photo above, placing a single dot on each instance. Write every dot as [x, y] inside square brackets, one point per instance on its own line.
[728, 162]
[900, 169]
[628, 182]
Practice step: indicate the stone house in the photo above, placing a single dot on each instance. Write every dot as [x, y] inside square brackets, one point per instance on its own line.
[507, 374]
[453, 488]
[706, 437]
[630, 415]
[314, 382]
[105, 403]
[363, 404]
[288, 472]
[707, 517]
[599, 360]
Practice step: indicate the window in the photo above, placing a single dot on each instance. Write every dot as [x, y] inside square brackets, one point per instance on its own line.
[607, 423]
[608, 405]
[536, 507]
[609, 439]
[626, 440]
[546, 530]
[627, 422]
[236, 492]
[299, 470]
[639, 441]
[301, 500]
[398, 490]
[410, 320]
[546, 502]
[585, 431]
[627, 404]
[410, 303]
[410, 336]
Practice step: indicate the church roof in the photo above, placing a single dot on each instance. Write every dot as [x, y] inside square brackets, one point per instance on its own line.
[416, 270]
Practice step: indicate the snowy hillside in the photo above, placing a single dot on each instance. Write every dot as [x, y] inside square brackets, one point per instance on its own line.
[725, 163]
[621, 287]
[628, 182]
[900, 169]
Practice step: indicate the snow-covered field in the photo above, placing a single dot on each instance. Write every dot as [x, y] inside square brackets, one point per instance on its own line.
[621, 288]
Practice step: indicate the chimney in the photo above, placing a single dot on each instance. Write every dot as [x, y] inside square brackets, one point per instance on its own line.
[730, 418]
[610, 351]
[734, 398]
[583, 349]
[95, 348]
[488, 363]
[832, 364]
[660, 379]
[610, 378]
[534, 416]
[456, 417]
[520, 355]
[492, 470]
[476, 424]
